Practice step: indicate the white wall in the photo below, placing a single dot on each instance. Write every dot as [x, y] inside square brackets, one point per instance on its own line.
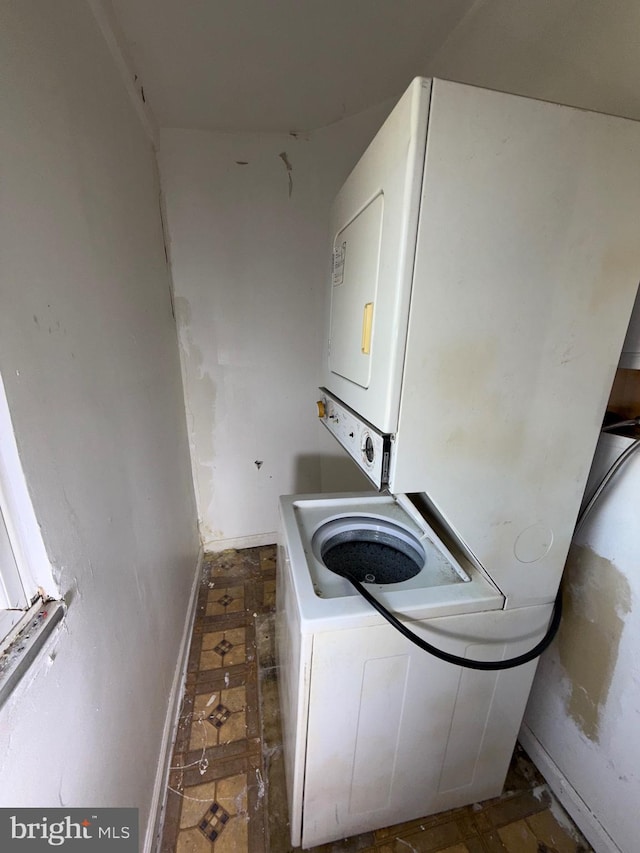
[89, 357]
[583, 713]
[248, 245]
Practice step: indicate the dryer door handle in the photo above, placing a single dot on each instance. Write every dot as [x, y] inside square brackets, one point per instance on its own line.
[367, 324]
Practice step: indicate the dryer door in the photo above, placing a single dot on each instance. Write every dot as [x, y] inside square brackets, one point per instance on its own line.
[354, 281]
[374, 224]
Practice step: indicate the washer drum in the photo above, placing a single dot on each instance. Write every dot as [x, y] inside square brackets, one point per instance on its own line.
[369, 550]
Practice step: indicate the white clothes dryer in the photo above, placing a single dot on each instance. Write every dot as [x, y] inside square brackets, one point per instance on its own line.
[375, 730]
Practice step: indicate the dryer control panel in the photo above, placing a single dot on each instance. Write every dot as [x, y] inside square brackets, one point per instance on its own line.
[369, 448]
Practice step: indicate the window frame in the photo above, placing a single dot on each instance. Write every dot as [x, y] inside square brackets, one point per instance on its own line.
[27, 578]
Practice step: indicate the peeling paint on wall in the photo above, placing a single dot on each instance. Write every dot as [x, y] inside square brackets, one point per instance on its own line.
[597, 598]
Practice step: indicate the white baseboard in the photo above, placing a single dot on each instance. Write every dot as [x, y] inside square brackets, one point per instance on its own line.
[566, 794]
[158, 799]
[241, 542]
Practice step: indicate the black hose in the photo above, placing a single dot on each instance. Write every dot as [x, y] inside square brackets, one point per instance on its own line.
[469, 663]
[556, 616]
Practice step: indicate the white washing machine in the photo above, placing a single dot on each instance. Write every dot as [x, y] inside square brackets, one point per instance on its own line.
[377, 731]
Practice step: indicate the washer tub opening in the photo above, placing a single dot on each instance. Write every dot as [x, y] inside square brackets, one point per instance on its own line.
[373, 551]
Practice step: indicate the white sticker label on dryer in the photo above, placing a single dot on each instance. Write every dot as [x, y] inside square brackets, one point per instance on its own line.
[337, 265]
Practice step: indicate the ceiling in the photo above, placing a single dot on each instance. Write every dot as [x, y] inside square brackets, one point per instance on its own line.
[278, 65]
[297, 65]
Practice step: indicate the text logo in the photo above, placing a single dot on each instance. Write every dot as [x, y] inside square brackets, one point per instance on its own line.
[73, 830]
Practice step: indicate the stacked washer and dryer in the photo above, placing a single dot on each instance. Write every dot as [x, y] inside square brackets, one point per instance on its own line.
[485, 262]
